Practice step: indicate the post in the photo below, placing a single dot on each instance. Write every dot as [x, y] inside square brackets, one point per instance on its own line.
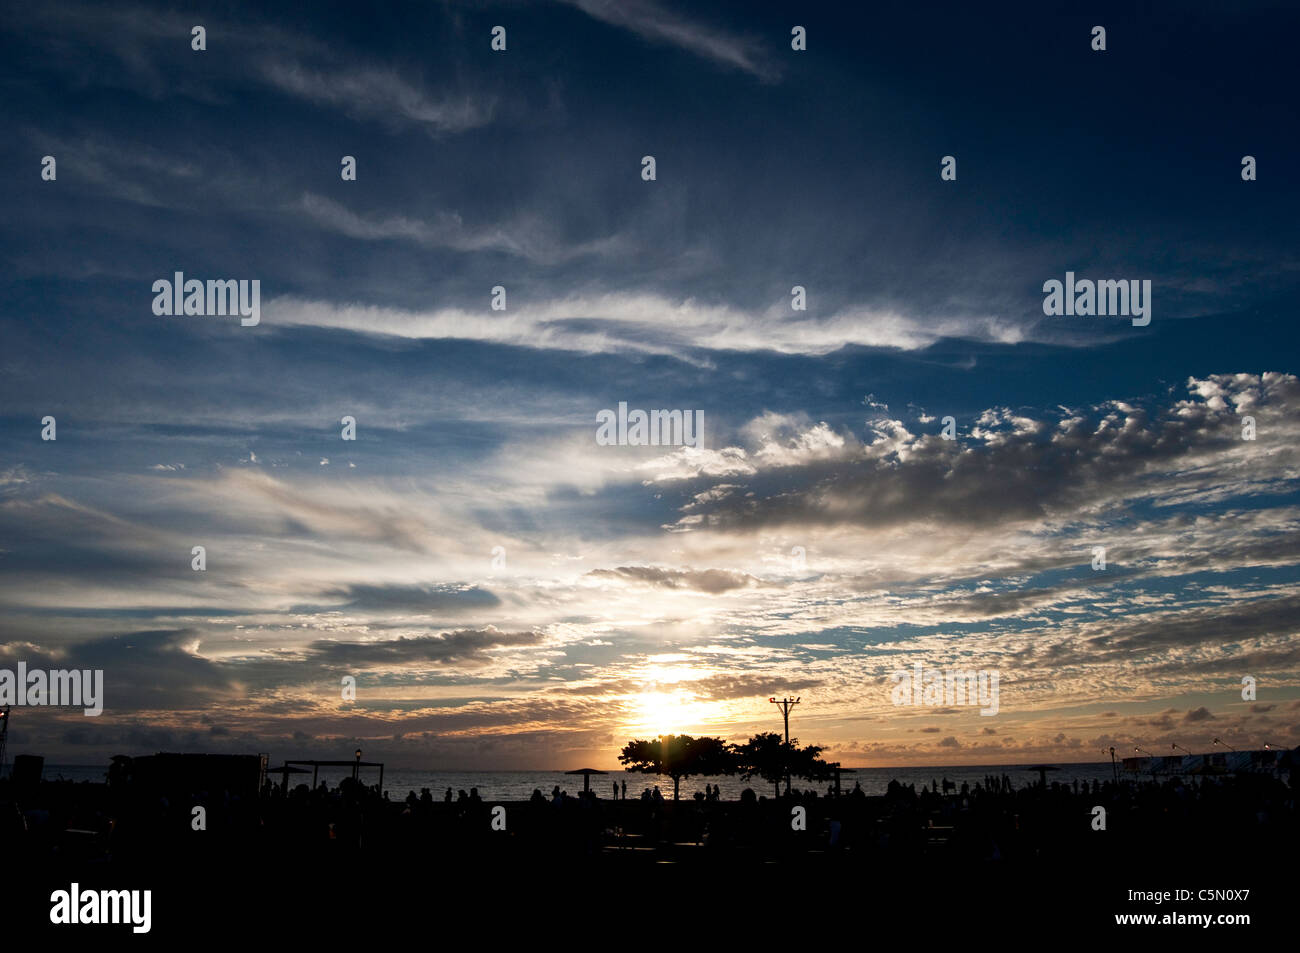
[786, 704]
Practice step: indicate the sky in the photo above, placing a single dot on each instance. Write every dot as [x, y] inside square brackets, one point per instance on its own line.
[509, 592]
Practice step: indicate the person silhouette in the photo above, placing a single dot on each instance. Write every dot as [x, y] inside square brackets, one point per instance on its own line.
[625, 790]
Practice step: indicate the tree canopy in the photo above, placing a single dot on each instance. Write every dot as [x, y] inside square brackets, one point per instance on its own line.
[679, 756]
[766, 755]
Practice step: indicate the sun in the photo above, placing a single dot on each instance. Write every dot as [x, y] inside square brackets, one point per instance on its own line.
[668, 712]
[667, 703]
[661, 713]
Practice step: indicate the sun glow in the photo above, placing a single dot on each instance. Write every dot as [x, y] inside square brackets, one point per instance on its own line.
[668, 703]
[664, 713]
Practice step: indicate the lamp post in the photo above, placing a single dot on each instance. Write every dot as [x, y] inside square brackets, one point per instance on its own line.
[1226, 745]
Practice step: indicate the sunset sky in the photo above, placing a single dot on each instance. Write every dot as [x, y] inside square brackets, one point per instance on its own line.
[649, 589]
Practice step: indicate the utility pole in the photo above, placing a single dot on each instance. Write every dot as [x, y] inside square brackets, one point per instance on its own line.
[785, 704]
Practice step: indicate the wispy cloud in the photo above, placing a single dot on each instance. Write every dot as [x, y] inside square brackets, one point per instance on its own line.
[147, 45]
[369, 93]
[628, 322]
[653, 22]
[525, 237]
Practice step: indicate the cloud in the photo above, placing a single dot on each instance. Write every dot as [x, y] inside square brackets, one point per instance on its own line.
[408, 598]
[1275, 615]
[147, 43]
[726, 686]
[163, 669]
[653, 22]
[372, 93]
[459, 647]
[706, 580]
[145, 670]
[526, 237]
[612, 322]
[1009, 469]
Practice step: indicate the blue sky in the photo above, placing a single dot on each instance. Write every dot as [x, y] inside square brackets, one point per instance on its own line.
[650, 589]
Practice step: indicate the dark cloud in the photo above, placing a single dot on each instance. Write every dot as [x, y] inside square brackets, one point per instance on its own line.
[146, 670]
[703, 580]
[461, 646]
[403, 599]
[719, 687]
[1157, 631]
[1006, 468]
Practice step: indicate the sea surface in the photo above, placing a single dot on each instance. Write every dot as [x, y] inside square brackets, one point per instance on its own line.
[519, 785]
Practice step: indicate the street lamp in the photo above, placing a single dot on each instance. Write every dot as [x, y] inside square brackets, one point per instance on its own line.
[1176, 746]
[1226, 745]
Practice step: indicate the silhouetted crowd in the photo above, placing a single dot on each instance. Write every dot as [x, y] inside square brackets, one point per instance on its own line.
[989, 823]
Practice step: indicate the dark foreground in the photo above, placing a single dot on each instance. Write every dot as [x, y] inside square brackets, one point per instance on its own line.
[991, 861]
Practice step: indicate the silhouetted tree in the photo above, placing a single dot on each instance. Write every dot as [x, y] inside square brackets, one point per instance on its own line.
[679, 756]
[767, 756]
